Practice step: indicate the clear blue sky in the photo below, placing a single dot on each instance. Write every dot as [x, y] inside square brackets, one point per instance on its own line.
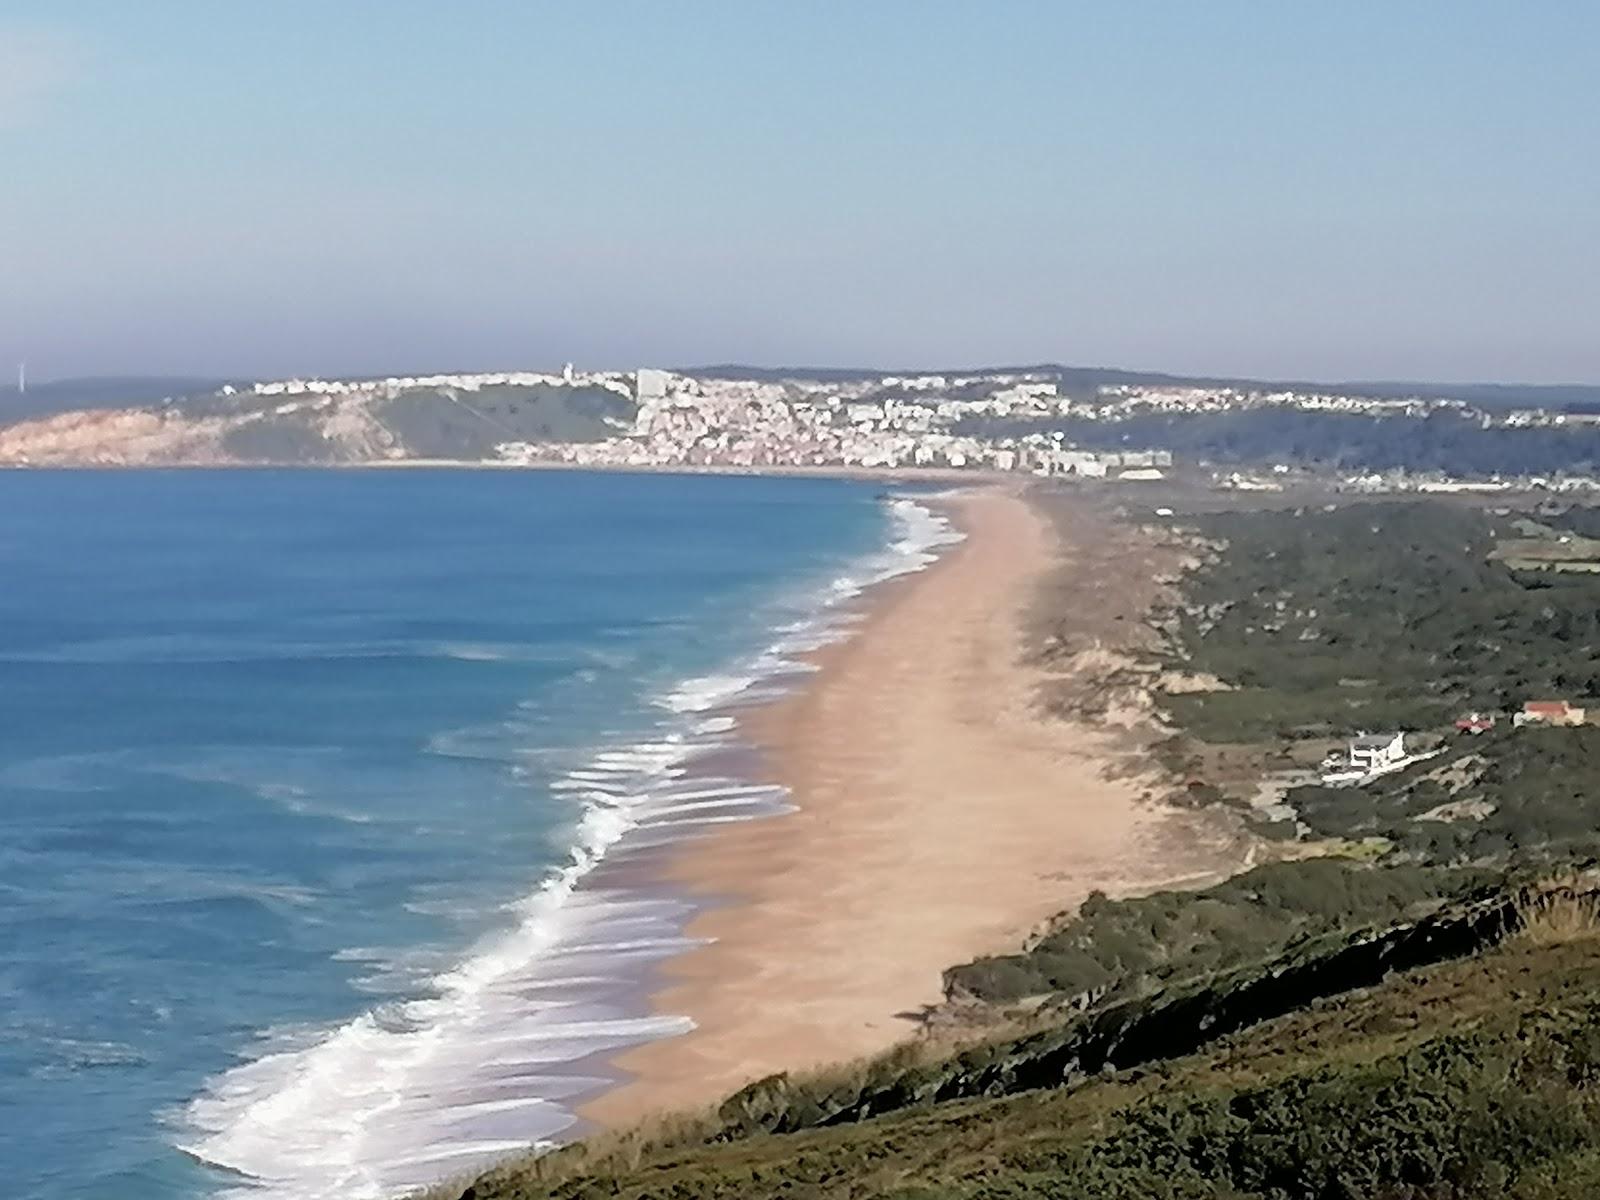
[1356, 189]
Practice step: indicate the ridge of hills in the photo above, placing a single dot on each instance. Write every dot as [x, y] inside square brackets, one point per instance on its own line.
[48, 398]
[1075, 380]
[138, 421]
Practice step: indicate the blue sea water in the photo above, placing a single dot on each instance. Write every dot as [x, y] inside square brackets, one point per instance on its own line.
[303, 776]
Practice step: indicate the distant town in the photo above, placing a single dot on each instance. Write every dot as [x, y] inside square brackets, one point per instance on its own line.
[1233, 437]
[912, 421]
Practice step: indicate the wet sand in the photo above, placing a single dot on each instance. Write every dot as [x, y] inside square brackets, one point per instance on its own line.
[940, 816]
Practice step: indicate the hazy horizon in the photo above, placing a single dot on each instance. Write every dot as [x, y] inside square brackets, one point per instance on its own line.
[799, 369]
[1361, 193]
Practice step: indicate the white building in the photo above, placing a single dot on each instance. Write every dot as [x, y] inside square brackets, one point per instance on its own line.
[1376, 751]
[1088, 466]
[652, 385]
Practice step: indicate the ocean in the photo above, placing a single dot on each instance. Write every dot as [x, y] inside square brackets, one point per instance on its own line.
[304, 777]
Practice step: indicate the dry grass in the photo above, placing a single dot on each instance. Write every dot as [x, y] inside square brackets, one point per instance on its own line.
[616, 1152]
[1566, 912]
[1555, 917]
[1409, 1024]
[609, 1151]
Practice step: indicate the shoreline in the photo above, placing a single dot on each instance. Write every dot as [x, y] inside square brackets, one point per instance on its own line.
[502, 1048]
[936, 816]
[899, 476]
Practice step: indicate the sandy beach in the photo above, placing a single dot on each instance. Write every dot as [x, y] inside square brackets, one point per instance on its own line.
[940, 815]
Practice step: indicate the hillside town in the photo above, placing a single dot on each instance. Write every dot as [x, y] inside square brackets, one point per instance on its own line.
[987, 420]
[891, 422]
[973, 421]
[1043, 421]
[1118, 401]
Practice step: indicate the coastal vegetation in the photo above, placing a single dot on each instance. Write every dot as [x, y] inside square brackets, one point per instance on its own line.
[421, 423]
[1397, 1004]
[1115, 948]
[1513, 796]
[432, 424]
[1367, 616]
[1321, 623]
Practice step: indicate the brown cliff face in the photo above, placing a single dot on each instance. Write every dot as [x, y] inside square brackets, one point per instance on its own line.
[111, 437]
[225, 428]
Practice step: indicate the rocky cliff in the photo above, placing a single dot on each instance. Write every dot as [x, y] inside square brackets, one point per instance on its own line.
[227, 427]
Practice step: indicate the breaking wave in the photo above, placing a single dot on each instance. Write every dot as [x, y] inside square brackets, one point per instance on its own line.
[494, 1053]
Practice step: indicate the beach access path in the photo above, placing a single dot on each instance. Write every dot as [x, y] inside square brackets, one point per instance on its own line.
[940, 816]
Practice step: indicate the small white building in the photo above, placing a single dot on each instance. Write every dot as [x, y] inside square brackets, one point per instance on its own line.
[1373, 752]
[651, 385]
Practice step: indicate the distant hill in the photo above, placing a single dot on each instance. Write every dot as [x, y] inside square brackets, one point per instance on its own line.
[71, 395]
[162, 420]
[149, 422]
[1083, 380]
[67, 395]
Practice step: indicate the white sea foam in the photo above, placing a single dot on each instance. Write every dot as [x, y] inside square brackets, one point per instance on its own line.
[921, 534]
[492, 1054]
